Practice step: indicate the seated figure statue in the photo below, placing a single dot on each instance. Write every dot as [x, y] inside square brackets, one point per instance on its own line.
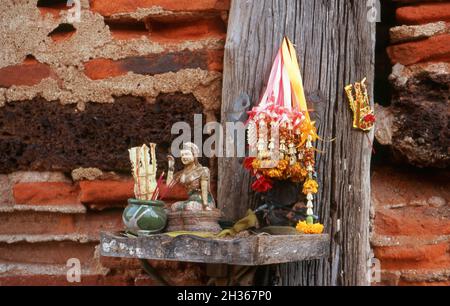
[196, 179]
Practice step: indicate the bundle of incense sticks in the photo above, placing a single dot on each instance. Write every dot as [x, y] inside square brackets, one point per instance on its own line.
[168, 189]
[158, 194]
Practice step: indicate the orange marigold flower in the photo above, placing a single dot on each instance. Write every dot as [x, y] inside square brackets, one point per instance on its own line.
[305, 228]
[275, 173]
[310, 186]
[282, 164]
[256, 163]
[297, 172]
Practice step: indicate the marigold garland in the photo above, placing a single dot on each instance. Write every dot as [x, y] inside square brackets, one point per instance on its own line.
[281, 133]
[310, 186]
[305, 228]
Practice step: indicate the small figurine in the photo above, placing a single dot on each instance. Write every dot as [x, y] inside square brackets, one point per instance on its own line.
[196, 179]
[363, 116]
[198, 212]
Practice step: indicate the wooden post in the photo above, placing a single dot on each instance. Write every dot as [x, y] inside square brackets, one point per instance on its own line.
[335, 44]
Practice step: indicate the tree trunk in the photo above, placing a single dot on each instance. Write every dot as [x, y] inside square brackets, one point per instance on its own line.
[335, 44]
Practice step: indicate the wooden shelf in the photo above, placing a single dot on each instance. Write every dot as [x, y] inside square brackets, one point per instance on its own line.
[254, 250]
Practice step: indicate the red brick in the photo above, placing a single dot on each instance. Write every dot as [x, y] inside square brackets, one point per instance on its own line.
[414, 257]
[46, 193]
[412, 221]
[108, 8]
[61, 280]
[29, 73]
[169, 31]
[48, 225]
[100, 194]
[424, 13]
[102, 68]
[403, 187]
[438, 263]
[188, 30]
[440, 284]
[215, 60]
[436, 48]
[412, 252]
[106, 192]
[47, 253]
[126, 29]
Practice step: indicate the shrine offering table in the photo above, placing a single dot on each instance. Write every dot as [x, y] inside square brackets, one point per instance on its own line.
[254, 250]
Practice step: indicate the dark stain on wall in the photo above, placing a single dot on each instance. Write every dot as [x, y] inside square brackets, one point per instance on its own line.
[41, 135]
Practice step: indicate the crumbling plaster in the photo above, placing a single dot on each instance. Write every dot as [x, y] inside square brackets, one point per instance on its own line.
[24, 31]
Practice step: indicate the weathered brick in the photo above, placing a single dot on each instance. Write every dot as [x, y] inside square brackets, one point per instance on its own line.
[402, 187]
[47, 253]
[412, 252]
[417, 32]
[388, 278]
[108, 193]
[182, 31]
[56, 274]
[437, 263]
[436, 48]
[102, 193]
[414, 257]
[414, 277]
[426, 275]
[6, 197]
[420, 133]
[169, 30]
[424, 13]
[29, 73]
[108, 8]
[61, 280]
[46, 193]
[413, 221]
[387, 240]
[102, 68]
[125, 29]
[439, 284]
[49, 226]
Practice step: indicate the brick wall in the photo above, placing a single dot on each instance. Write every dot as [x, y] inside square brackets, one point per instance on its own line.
[410, 180]
[73, 99]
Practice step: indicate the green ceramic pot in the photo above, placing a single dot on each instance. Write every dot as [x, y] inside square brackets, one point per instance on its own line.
[144, 217]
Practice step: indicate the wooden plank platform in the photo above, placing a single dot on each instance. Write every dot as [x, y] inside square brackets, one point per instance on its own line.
[254, 250]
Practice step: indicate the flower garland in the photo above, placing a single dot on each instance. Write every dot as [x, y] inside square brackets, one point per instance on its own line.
[281, 133]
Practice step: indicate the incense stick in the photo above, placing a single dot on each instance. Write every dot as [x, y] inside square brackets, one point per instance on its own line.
[158, 184]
